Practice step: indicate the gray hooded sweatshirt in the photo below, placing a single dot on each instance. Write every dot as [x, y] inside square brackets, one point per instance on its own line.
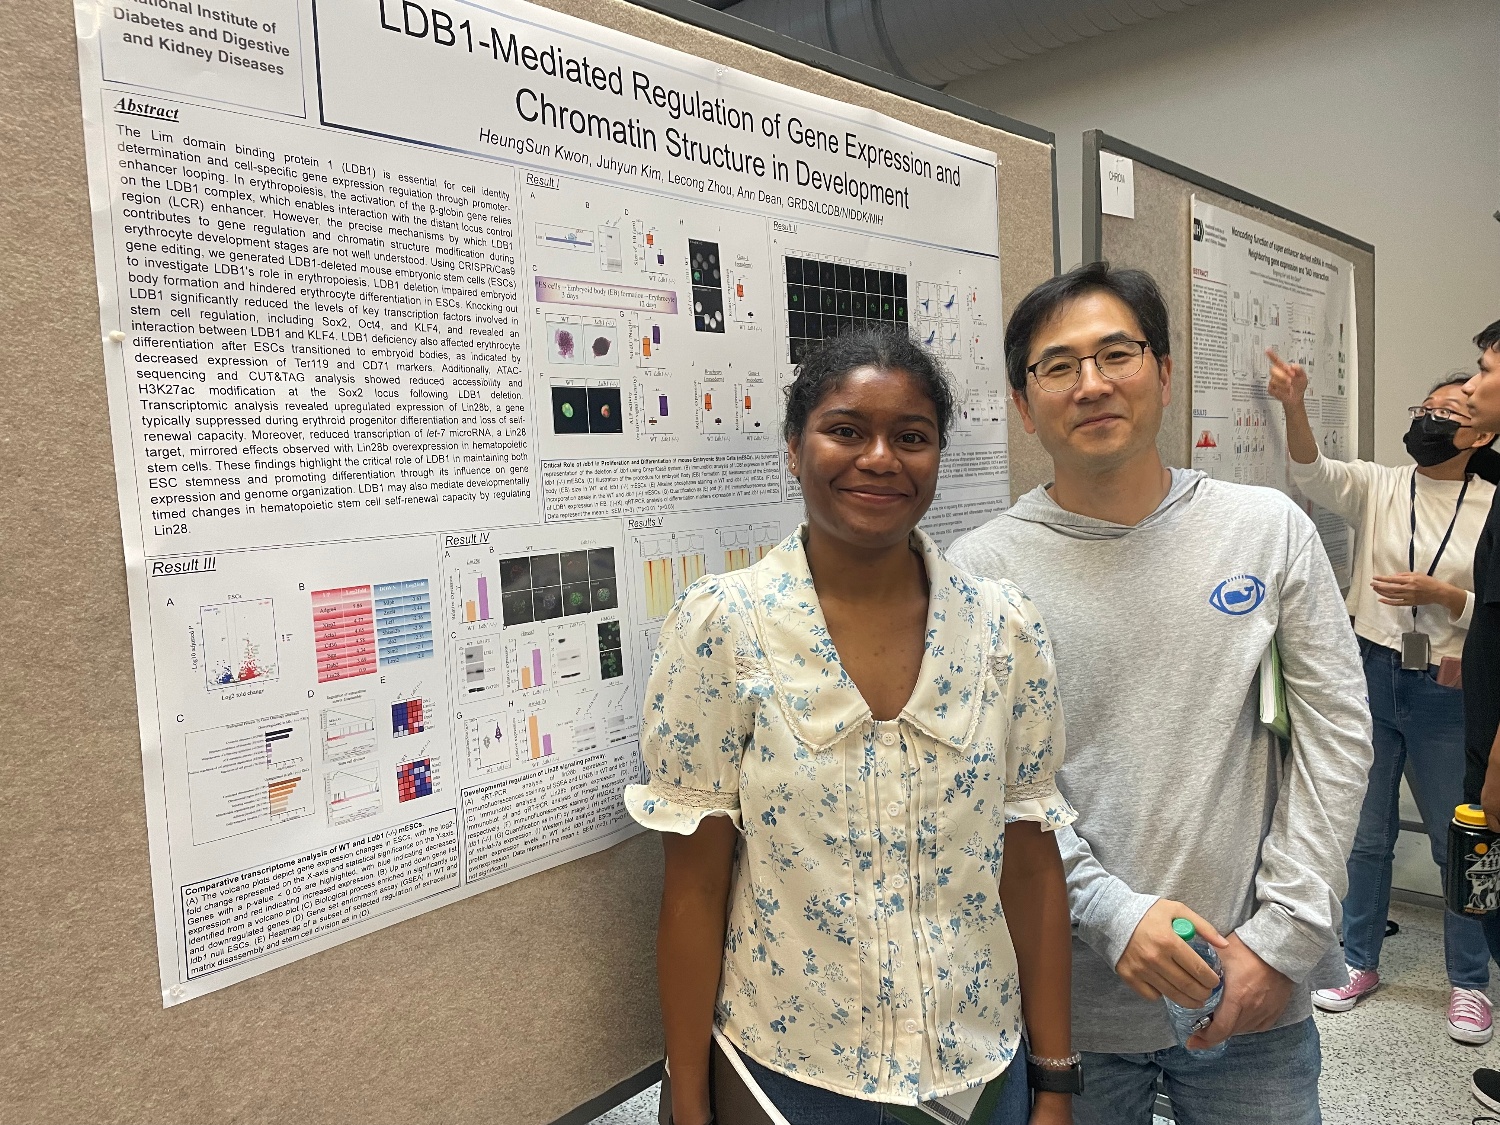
[1158, 631]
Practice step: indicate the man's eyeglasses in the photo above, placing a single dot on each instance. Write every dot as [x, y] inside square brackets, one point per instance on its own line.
[1442, 414]
[1116, 362]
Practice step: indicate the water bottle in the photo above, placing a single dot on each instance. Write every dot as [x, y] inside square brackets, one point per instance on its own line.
[1186, 1021]
[1473, 886]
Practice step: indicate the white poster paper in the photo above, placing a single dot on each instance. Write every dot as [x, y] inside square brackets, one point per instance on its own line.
[1255, 287]
[445, 347]
[1117, 185]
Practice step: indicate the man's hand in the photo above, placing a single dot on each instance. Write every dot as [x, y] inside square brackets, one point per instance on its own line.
[1288, 380]
[1411, 588]
[1255, 995]
[1158, 963]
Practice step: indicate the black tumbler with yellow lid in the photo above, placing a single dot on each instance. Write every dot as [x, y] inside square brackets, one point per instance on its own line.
[1473, 863]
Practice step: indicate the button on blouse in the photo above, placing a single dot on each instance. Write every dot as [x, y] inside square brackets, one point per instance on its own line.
[866, 950]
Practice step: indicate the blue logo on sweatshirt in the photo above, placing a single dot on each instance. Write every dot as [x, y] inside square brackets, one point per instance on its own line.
[1239, 595]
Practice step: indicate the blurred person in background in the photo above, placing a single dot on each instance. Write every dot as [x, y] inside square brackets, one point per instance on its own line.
[1416, 527]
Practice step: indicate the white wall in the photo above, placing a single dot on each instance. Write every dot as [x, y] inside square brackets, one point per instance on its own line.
[1378, 117]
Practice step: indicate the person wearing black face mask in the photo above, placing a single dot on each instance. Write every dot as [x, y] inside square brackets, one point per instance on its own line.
[1411, 599]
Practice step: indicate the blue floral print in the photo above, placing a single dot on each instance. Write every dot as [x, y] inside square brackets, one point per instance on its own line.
[866, 950]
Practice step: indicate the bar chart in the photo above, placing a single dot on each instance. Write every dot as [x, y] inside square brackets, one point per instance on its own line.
[477, 605]
[526, 659]
[545, 737]
[284, 799]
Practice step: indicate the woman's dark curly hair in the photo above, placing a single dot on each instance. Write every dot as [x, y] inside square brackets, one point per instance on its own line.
[887, 349]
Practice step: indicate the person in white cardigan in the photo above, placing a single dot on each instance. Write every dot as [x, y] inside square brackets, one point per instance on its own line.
[1411, 597]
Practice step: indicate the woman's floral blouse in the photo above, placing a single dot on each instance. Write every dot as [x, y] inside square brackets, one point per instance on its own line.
[866, 950]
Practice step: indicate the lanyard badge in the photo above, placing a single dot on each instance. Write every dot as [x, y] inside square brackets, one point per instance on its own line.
[1416, 646]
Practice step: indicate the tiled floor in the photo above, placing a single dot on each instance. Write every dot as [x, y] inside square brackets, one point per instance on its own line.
[1388, 1062]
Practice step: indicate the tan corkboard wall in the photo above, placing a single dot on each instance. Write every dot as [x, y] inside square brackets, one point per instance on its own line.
[1156, 240]
[438, 1019]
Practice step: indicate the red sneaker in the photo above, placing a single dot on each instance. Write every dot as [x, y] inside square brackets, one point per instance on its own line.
[1469, 1016]
[1362, 982]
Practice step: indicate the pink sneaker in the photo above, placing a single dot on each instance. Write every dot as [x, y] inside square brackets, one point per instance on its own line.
[1469, 1016]
[1362, 982]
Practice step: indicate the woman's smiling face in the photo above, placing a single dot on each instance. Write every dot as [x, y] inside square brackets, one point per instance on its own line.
[867, 459]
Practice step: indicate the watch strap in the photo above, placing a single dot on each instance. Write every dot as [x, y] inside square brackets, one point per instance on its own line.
[1052, 1080]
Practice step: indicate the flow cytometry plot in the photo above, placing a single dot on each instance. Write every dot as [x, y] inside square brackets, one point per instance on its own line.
[403, 621]
[826, 299]
[408, 717]
[239, 642]
[542, 587]
[611, 654]
[708, 286]
[414, 779]
[344, 632]
[352, 794]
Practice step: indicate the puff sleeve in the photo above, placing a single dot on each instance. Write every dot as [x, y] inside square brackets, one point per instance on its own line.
[1034, 741]
[696, 722]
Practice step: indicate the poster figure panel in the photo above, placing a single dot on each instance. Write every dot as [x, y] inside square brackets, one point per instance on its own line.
[439, 365]
[1254, 288]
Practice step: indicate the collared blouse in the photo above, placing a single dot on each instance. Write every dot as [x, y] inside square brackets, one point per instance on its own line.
[866, 950]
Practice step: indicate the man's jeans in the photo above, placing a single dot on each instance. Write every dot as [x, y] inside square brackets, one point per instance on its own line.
[1419, 725]
[1265, 1079]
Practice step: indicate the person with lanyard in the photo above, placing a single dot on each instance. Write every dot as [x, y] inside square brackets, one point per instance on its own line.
[1411, 598]
[844, 742]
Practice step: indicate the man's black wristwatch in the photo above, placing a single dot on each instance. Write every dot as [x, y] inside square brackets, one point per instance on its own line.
[1055, 1076]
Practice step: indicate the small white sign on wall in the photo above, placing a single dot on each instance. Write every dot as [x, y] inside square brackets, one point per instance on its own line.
[1117, 185]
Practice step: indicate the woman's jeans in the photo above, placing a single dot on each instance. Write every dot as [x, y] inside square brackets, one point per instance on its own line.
[803, 1104]
[1419, 728]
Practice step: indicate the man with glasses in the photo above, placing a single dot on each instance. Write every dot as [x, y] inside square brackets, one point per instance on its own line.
[1162, 589]
[1416, 527]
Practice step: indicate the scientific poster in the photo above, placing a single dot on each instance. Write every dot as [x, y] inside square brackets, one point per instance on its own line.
[445, 346]
[1255, 287]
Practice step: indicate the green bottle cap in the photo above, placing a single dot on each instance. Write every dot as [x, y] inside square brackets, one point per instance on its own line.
[1184, 929]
